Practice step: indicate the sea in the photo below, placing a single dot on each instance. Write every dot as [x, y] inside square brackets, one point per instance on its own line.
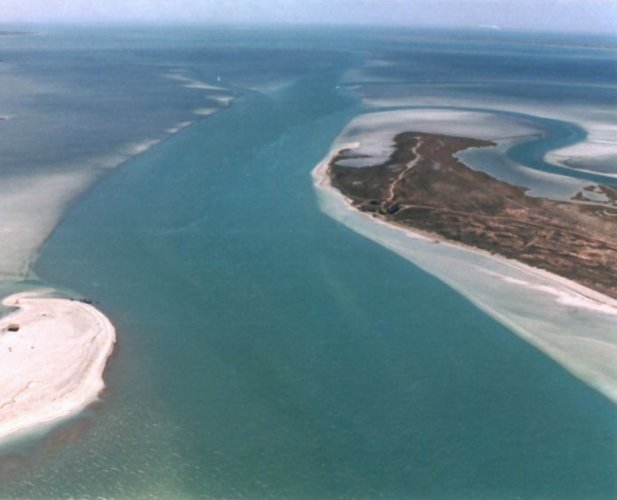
[265, 350]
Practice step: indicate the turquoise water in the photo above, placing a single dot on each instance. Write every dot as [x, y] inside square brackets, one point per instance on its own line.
[266, 351]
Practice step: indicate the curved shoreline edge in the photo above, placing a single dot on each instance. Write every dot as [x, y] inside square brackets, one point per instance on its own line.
[546, 310]
[53, 363]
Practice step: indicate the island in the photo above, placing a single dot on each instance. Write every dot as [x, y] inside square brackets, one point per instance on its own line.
[53, 352]
[424, 186]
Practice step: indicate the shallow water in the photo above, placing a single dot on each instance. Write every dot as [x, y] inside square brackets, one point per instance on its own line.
[570, 79]
[267, 351]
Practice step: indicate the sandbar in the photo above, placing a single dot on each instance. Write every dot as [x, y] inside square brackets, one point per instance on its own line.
[53, 352]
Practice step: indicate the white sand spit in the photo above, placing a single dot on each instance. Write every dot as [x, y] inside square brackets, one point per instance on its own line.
[52, 366]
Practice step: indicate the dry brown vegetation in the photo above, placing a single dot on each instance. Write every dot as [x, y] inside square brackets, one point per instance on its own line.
[422, 185]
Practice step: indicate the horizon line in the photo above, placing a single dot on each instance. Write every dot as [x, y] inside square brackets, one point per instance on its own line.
[493, 29]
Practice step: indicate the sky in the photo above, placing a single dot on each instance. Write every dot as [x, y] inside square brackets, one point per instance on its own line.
[545, 15]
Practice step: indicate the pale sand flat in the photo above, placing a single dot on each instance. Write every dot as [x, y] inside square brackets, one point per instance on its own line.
[52, 367]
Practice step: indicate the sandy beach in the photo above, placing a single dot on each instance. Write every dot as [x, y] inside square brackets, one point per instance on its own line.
[53, 353]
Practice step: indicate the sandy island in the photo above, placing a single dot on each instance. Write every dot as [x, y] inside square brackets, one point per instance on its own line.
[572, 320]
[424, 186]
[53, 353]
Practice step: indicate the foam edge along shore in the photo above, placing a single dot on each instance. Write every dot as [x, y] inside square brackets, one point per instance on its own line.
[572, 324]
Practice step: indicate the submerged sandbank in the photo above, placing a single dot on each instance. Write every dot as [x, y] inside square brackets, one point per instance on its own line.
[53, 353]
[46, 168]
[571, 323]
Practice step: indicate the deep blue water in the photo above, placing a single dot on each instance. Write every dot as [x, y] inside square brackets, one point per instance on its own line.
[267, 352]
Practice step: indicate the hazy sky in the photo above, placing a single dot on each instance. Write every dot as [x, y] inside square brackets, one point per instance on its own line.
[570, 15]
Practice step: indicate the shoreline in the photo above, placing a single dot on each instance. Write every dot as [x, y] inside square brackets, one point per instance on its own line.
[53, 364]
[425, 186]
[601, 374]
[322, 176]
